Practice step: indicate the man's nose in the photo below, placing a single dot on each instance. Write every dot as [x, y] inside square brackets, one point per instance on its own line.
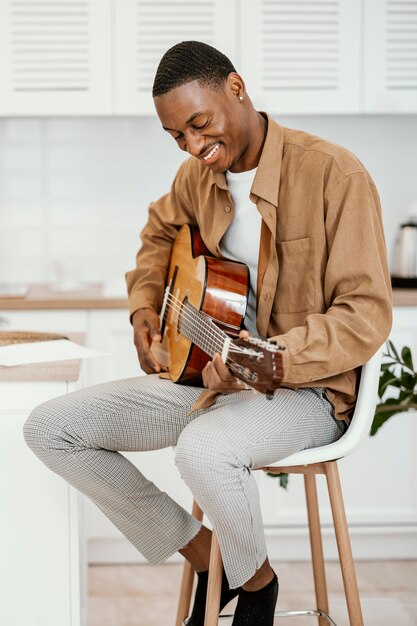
[195, 144]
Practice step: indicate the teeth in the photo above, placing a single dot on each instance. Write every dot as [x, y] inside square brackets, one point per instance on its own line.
[210, 154]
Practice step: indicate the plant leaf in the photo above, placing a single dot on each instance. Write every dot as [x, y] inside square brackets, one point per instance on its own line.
[380, 419]
[408, 381]
[392, 347]
[387, 364]
[388, 378]
[283, 479]
[407, 358]
[405, 396]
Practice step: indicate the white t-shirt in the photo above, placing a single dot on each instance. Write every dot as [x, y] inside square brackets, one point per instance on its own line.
[241, 240]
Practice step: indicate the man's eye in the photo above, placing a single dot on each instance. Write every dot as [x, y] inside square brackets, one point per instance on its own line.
[203, 126]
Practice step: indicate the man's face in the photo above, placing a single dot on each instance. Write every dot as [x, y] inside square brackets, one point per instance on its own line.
[208, 124]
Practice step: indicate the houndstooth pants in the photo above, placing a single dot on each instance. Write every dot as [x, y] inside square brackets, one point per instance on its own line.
[79, 437]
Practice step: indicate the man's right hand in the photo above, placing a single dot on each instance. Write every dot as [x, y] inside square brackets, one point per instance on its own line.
[146, 326]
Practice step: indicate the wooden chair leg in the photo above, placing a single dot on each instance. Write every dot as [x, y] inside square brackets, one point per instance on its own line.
[187, 579]
[316, 543]
[343, 544]
[214, 584]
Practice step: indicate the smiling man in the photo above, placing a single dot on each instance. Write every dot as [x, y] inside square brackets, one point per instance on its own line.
[304, 215]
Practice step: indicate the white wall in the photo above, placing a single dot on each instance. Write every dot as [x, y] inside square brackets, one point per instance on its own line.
[74, 192]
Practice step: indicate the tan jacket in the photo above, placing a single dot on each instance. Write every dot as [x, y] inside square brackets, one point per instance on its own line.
[323, 282]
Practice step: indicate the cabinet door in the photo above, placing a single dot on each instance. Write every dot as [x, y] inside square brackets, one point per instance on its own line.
[302, 57]
[55, 57]
[111, 330]
[390, 76]
[48, 321]
[144, 32]
[43, 564]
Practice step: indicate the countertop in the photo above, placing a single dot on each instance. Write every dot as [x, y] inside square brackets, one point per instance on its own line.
[404, 297]
[45, 297]
[54, 371]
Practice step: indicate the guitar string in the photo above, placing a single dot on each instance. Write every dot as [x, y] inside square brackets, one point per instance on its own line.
[193, 315]
[180, 306]
[208, 345]
[212, 345]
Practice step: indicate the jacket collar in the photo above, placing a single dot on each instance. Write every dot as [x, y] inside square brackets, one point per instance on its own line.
[268, 174]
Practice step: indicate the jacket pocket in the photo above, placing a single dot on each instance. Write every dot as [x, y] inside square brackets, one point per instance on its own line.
[295, 288]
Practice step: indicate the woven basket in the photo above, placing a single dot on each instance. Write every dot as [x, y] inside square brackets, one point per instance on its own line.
[8, 337]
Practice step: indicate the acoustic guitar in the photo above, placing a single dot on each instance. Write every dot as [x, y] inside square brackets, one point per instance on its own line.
[203, 311]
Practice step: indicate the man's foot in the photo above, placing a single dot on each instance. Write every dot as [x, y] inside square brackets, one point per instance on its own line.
[199, 607]
[257, 608]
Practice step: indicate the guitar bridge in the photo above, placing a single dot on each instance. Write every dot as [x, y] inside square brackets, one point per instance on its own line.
[165, 308]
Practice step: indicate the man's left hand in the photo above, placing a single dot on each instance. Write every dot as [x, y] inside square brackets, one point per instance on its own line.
[217, 376]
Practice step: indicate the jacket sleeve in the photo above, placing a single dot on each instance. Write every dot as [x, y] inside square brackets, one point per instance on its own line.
[357, 289]
[145, 284]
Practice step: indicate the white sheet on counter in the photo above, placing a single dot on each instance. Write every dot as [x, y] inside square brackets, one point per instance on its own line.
[44, 352]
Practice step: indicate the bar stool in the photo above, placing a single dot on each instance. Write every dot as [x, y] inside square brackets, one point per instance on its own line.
[320, 460]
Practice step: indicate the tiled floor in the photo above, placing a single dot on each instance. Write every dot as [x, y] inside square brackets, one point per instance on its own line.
[142, 595]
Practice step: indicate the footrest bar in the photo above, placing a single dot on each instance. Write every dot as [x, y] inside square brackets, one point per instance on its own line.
[308, 612]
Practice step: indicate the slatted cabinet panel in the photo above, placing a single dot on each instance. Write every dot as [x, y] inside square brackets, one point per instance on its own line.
[55, 57]
[145, 29]
[390, 77]
[302, 56]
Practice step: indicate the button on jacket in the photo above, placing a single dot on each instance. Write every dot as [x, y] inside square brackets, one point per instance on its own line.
[323, 282]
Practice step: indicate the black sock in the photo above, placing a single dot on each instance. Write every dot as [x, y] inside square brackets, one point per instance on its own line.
[257, 608]
[199, 607]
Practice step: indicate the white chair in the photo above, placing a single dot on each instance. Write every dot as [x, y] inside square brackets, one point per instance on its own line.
[321, 460]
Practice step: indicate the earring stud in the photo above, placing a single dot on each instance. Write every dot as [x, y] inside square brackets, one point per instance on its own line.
[241, 98]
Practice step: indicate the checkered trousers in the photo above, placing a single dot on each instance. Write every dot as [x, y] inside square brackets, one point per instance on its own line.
[79, 436]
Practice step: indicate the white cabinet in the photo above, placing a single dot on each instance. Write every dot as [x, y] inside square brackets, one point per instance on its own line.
[109, 330]
[302, 57]
[390, 56]
[43, 568]
[99, 57]
[56, 321]
[55, 57]
[145, 30]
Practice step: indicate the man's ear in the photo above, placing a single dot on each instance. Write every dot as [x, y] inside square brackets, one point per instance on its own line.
[236, 84]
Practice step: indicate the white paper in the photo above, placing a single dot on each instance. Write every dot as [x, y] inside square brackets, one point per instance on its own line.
[44, 352]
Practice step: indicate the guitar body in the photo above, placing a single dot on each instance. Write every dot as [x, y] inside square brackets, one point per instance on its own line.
[217, 287]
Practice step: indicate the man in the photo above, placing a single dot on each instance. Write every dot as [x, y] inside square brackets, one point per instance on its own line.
[304, 215]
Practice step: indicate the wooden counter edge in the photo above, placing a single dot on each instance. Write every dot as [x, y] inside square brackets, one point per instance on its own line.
[404, 297]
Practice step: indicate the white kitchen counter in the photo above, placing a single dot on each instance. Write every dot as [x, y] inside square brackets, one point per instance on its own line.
[42, 541]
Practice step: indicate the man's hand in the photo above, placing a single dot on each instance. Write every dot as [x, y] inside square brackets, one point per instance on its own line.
[217, 376]
[146, 325]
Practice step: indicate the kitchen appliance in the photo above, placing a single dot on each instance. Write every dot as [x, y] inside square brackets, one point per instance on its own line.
[404, 271]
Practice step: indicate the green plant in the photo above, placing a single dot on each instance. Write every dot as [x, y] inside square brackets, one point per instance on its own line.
[397, 372]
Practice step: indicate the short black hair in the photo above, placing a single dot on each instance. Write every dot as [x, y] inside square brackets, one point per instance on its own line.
[188, 61]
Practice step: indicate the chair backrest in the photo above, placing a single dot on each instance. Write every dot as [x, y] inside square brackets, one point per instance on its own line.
[359, 427]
